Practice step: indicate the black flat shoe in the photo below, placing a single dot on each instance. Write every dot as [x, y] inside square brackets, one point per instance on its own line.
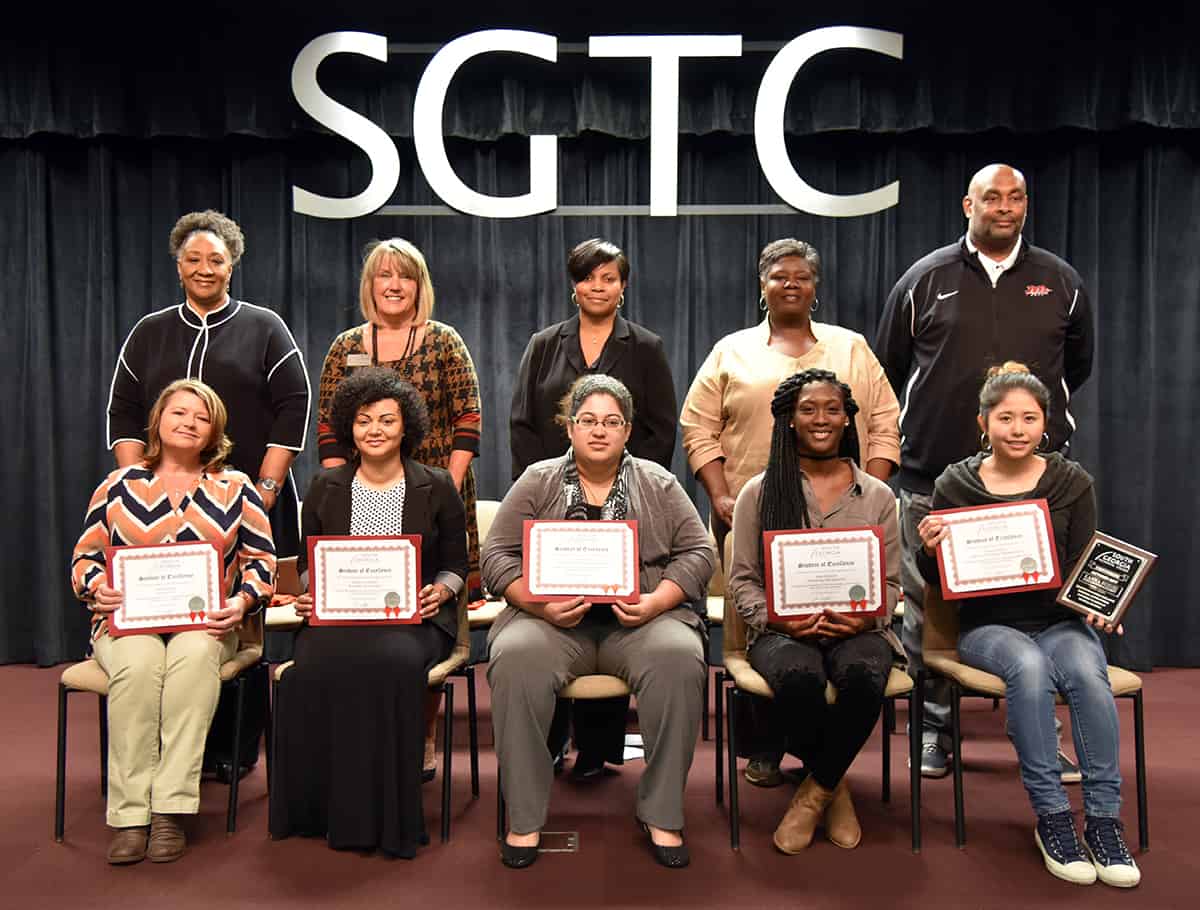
[588, 766]
[671, 857]
[428, 774]
[517, 857]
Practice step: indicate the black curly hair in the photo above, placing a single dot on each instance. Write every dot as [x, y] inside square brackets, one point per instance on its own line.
[214, 223]
[781, 505]
[367, 386]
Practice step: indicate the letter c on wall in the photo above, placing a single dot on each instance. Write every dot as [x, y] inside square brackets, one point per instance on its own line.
[768, 121]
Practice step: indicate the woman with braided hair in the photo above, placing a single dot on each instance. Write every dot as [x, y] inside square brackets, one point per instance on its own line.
[813, 480]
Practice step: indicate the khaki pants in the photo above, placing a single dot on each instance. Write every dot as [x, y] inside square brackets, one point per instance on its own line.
[663, 663]
[162, 695]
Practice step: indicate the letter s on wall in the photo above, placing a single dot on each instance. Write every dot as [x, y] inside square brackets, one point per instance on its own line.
[378, 145]
[768, 121]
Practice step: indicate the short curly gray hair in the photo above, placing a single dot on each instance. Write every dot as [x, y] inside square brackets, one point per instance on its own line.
[212, 222]
[789, 246]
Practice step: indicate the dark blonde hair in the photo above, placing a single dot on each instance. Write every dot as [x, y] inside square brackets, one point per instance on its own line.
[1005, 377]
[213, 455]
[210, 222]
[409, 260]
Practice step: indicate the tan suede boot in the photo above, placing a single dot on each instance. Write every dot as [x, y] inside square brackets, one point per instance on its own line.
[128, 845]
[795, 831]
[841, 822]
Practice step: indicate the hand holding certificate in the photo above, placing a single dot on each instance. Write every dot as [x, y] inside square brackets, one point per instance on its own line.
[822, 569]
[365, 580]
[164, 588]
[996, 549]
[596, 560]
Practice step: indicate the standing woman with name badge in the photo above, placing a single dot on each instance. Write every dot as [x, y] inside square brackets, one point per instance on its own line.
[395, 295]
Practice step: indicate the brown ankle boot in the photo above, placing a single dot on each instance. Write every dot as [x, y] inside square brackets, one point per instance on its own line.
[167, 840]
[128, 845]
[841, 822]
[795, 831]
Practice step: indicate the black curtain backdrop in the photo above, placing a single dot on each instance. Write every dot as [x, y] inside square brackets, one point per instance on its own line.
[99, 155]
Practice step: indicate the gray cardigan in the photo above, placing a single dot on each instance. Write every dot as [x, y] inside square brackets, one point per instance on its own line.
[672, 541]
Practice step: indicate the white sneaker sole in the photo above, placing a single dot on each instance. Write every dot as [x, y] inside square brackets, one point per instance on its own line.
[1077, 873]
[1114, 876]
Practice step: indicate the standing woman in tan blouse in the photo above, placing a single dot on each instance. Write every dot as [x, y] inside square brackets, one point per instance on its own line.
[396, 299]
[726, 418]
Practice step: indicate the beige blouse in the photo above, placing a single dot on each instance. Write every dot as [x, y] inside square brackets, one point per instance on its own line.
[727, 412]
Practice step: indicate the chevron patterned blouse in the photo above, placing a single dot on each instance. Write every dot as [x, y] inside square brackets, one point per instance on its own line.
[131, 507]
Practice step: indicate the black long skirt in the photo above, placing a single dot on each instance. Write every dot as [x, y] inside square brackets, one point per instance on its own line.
[350, 736]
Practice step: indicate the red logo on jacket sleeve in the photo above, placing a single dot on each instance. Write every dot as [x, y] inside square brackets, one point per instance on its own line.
[1036, 290]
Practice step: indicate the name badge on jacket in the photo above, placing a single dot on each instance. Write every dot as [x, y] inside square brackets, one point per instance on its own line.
[358, 360]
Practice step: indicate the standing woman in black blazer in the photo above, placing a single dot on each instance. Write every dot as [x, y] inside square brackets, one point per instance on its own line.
[351, 728]
[597, 339]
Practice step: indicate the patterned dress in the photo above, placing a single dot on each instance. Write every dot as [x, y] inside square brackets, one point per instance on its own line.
[440, 369]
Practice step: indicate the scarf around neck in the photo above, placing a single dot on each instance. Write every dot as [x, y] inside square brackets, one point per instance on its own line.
[616, 505]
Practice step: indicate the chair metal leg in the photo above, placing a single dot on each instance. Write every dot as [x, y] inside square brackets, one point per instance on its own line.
[704, 714]
[960, 825]
[272, 705]
[60, 781]
[916, 720]
[735, 833]
[472, 730]
[447, 745]
[499, 805]
[268, 727]
[887, 753]
[235, 765]
[1139, 747]
[889, 716]
[719, 698]
[102, 710]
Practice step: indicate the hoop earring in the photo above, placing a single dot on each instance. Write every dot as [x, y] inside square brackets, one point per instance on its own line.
[985, 444]
[815, 305]
[762, 302]
[621, 302]
[1044, 444]
[573, 300]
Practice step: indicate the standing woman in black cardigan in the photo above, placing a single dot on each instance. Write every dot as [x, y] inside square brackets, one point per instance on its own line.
[597, 339]
[350, 725]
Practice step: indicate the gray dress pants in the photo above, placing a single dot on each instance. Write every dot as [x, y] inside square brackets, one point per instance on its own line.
[532, 660]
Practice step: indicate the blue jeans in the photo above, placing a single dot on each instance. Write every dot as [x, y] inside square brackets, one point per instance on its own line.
[1066, 658]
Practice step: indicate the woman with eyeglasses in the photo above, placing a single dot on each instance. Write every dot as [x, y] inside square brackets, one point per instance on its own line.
[656, 644]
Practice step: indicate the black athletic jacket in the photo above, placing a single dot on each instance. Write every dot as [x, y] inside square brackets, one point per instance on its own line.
[944, 325]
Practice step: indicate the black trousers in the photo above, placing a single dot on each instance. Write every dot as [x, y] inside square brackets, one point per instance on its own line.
[825, 737]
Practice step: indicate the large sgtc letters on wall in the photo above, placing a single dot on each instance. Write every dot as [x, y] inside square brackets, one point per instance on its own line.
[664, 52]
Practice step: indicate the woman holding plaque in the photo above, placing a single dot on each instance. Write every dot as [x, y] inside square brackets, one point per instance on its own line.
[597, 339]
[1036, 646]
[163, 688]
[350, 731]
[654, 643]
[813, 480]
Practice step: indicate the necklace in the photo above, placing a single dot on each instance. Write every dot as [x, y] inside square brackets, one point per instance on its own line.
[595, 495]
[408, 348]
[179, 485]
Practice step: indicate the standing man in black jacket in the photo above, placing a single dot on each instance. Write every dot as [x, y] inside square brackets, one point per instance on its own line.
[985, 299]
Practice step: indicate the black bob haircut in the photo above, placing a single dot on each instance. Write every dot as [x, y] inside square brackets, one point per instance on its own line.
[367, 386]
[586, 256]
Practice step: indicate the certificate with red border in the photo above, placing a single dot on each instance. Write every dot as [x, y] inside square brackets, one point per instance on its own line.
[597, 560]
[817, 569]
[364, 580]
[168, 587]
[997, 549]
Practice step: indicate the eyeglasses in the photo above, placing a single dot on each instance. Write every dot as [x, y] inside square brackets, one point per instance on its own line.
[589, 422]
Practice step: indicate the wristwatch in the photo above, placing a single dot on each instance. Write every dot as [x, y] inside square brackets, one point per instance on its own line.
[269, 484]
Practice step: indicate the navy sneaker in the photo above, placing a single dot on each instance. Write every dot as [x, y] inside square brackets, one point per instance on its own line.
[935, 761]
[1056, 838]
[1106, 846]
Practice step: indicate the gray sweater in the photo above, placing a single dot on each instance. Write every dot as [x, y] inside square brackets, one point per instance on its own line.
[672, 541]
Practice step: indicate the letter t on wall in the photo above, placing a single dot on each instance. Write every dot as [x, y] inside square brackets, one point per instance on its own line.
[664, 52]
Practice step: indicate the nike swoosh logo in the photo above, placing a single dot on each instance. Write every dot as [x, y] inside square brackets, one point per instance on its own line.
[942, 296]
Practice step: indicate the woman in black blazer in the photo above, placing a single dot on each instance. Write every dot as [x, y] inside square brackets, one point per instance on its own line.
[350, 741]
[597, 339]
